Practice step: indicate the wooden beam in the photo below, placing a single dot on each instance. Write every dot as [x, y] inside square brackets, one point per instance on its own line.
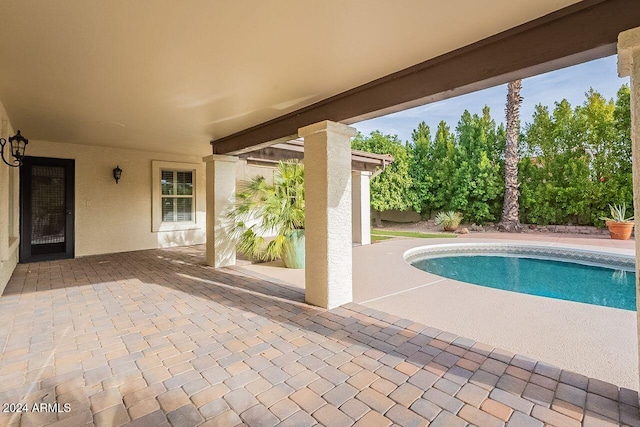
[581, 32]
[294, 150]
[356, 165]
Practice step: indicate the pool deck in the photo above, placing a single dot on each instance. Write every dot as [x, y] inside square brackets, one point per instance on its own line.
[599, 342]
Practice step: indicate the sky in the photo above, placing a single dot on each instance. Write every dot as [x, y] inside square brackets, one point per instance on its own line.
[570, 83]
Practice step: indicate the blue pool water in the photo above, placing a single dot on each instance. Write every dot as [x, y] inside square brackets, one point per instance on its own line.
[547, 278]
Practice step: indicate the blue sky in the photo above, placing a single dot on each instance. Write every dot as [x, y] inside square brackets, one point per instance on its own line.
[570, 83]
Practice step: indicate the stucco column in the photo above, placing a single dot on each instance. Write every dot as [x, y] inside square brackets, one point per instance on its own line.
[361, 210]
[327, 162]
[221, 188]
[629, 65]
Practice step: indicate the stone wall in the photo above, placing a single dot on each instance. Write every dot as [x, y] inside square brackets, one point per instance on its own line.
[572, 229]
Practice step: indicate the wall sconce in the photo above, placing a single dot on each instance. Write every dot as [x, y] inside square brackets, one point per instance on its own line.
[117, 173]
[17, 145]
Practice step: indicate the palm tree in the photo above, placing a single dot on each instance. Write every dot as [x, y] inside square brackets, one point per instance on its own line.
[510, 219]
[271, 209]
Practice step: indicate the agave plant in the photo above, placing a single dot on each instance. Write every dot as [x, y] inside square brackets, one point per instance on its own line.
[618, 214]
[450, 220]
[269, 209]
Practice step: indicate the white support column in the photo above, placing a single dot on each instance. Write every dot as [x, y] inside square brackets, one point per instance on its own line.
[327, 162]
[221, 188]
[629, 65]
[361, 210]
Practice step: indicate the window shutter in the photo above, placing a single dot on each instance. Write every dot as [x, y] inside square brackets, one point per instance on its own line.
[183, 209]
[184, 181]
[166, 182]
[167, 209]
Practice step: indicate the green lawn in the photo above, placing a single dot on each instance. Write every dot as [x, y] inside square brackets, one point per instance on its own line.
[377, 237]
[385, 234]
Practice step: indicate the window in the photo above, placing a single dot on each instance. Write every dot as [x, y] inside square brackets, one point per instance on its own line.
[177, 196]
[174, 196]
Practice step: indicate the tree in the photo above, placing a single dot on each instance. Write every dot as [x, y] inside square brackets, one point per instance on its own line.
[578, 161]
[557, 177]
[510, 209]
[622, 124]
[609, 150]
[392, 189]
[421, 168]
[443, 166]
[477, 183]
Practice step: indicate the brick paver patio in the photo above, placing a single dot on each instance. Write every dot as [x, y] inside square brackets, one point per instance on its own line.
[155, 338]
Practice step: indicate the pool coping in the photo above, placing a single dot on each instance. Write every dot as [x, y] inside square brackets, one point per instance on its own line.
[571, 254]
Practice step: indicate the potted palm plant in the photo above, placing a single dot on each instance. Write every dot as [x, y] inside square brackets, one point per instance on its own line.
[267, 219]
[450, 220]
[620, 227]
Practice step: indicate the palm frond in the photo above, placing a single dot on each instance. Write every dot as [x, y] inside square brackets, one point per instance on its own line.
[262, 208]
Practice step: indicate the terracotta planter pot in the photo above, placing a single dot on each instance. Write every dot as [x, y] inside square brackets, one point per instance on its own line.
[620, 230]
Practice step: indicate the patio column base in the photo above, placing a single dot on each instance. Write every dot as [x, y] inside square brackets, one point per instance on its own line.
[327, 159]
[629, 65]
[221, 188]
[361, 207]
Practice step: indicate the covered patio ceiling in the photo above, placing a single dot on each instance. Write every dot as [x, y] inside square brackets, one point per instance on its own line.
[166, 76]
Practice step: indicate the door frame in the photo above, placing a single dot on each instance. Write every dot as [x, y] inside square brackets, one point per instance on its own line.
[26, 212]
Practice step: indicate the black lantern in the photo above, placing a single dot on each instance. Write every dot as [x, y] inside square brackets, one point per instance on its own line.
[117, 173]
[17, 146]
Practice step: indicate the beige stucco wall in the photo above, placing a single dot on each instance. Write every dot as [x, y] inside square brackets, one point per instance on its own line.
[400, 216]
[9, 209]
[109, 217]
[246, 171]
[112, 217]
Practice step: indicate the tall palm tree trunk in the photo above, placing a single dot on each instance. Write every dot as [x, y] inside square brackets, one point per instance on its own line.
[510, 219]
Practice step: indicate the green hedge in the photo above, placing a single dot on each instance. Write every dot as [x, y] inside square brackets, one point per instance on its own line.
[574, 163]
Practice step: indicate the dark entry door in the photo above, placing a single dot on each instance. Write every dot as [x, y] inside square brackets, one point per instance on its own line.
[46, 209]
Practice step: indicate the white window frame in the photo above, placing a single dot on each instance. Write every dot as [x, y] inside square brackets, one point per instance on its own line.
[156, 193]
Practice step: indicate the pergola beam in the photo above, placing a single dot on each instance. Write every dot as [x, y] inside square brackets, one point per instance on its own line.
[294, 150]
[581, 32]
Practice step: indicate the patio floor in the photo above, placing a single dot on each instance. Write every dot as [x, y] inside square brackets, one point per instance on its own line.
[154, 338]
[563, 333]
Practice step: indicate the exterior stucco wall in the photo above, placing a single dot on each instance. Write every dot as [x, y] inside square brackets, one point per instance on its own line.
[246, 171]
[112, 217]
[400, 216]
[9, 209]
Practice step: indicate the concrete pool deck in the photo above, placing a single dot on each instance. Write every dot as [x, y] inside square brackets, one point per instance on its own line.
[597, 341]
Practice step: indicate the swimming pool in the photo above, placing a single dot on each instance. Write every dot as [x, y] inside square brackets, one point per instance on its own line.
[568, 274]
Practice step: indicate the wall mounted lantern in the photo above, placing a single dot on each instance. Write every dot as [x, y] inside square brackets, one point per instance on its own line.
[117, 173]
[17, 145]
